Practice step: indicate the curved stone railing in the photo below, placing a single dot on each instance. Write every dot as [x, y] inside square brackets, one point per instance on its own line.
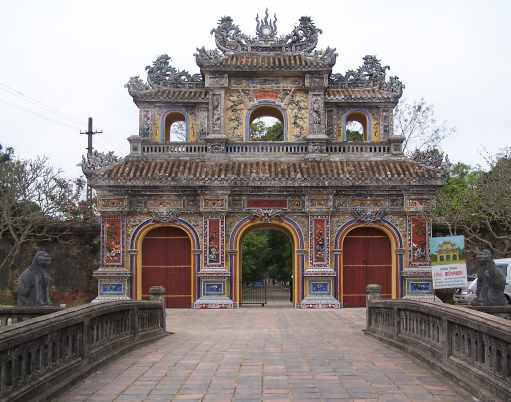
[40, 356]
[472, 347]
[13, 315]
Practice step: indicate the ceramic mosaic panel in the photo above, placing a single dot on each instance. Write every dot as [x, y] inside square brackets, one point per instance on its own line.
[319, 240]
[213, 288]
[214, 229]
[111, 288]
[317, 288]
[418, 246]
[112, 240]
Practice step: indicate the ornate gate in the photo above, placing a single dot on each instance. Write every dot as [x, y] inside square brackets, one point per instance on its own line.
[366, 259]
[166, 261]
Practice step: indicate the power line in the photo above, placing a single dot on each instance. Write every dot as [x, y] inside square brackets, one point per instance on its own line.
[13, 91]
[40, 115]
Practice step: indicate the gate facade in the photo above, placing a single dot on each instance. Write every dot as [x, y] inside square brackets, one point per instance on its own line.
[333, 160]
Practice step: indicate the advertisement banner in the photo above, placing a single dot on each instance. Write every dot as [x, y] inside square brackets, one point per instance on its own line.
[449, 276]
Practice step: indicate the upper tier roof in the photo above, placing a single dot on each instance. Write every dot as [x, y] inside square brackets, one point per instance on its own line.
[267, 52]
[186, 172]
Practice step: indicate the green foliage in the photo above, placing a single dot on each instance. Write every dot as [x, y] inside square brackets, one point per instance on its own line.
[354, 135]
[477, 203]
[266, 254]
[260, 131]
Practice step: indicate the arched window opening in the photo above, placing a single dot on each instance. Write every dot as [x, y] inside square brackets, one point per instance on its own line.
[266, 124]
[356, 127]
[175, 127]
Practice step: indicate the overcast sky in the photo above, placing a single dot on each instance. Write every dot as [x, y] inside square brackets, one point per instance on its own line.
[62, 61]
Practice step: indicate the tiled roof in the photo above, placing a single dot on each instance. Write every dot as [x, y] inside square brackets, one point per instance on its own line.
[360, 95]
[250, 173]
[172, 94]
[255, 61]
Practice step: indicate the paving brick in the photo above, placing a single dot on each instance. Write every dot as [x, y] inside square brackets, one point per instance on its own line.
[265, 354]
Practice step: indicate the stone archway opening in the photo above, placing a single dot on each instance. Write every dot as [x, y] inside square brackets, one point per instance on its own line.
[356, 127]
[266, 267]
[366, 258]
[266, 124]
[175, 127]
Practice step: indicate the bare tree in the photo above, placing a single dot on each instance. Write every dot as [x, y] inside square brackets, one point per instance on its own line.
[416, 122]
[33, 195]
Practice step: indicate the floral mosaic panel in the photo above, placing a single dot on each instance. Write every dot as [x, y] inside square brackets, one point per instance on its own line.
[112, 240]
[214, 230]
[418, 229]
[319, 240]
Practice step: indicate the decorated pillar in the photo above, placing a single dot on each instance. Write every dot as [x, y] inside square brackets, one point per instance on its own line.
[319, 276]
[214, 284]
[113, 275]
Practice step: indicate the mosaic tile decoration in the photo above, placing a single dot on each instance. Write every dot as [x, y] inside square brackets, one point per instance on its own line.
[112, 245]
[319, 288]
[319, 241]
[418, 241]
[112, 289]
[214, 229]
[210, 288]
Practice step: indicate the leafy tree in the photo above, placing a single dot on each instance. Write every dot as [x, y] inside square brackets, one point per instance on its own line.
[352, 135]
[266, 254]
[33, 195]
[477, 203]
[260, 131]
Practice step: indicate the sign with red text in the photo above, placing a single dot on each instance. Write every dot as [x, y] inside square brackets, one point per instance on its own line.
[449, 276]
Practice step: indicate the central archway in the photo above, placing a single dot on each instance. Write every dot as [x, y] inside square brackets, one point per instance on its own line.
[266, 269]
[283, 223]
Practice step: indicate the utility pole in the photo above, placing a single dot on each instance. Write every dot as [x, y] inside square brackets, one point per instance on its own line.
[90, 132]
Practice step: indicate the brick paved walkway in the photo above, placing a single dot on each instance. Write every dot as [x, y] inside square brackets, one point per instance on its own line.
[271, 354]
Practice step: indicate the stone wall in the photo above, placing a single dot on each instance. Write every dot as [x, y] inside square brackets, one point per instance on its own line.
[74, 258]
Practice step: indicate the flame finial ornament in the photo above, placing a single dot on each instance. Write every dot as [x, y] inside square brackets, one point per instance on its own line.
[266, 29]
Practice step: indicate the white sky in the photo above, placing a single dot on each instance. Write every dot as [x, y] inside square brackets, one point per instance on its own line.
[76, 56]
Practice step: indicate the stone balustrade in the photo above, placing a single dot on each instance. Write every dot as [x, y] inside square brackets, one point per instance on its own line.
[472, 347]
[42, 355]
[13, 315]
[141, 147]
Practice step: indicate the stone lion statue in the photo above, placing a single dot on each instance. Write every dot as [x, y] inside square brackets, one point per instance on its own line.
[490, 282]
[33, 284]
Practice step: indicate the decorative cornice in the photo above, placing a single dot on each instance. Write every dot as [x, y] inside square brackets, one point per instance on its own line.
[364, 215]
[266, 215]
[169, 216]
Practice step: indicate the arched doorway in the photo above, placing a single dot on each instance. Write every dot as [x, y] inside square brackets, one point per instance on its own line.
[294, 231]
[367, 258]
[166, 261]
[266, 271]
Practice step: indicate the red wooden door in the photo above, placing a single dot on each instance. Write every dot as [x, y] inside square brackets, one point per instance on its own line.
[366, 259]
[166, 261]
